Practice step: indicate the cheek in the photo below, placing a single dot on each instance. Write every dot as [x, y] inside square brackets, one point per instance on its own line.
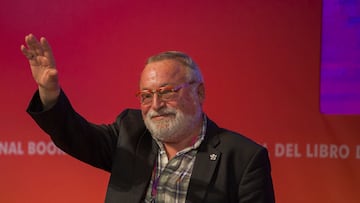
[144, 111]
[189, 105]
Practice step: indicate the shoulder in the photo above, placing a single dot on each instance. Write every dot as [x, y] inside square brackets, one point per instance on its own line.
[228, 141]
[131, 114]
[130, 121]
[234, 139]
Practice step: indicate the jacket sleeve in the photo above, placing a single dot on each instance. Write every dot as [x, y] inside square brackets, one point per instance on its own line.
[90, 143]
[256, 185]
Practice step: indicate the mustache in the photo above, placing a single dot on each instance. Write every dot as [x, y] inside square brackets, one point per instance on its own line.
[153, 113]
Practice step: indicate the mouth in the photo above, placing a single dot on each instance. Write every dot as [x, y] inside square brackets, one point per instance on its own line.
[162, 116]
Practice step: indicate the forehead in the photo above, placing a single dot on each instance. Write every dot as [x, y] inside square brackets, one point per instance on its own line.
[161, 73]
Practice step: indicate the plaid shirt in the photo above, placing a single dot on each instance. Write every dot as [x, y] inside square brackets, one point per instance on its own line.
[170, 179]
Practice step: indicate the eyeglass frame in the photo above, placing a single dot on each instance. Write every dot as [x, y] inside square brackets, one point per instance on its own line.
[168, 88]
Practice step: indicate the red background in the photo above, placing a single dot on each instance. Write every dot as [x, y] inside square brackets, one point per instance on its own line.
[260, 60]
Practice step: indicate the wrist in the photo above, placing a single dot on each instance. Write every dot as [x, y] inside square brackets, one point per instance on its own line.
[49, 97]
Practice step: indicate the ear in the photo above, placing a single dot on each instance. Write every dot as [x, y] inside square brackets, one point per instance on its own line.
[201, 92]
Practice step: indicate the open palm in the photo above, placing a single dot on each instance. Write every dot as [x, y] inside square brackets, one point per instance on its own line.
[43, 67]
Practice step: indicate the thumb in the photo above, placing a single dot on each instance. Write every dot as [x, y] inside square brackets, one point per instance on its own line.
[52, 78]
[52, 73]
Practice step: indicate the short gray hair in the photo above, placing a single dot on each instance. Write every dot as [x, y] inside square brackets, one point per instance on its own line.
[194, 72]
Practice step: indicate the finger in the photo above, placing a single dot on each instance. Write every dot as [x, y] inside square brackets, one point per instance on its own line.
[27, 53]
[47, 51]
[45, 62]
[34, 45]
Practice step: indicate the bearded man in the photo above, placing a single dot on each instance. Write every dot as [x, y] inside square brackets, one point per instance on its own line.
[169, 151]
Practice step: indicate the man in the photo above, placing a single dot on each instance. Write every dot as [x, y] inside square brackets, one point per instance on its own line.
[170, 151]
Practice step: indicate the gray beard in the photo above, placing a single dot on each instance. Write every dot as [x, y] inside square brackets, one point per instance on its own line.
[171, 129]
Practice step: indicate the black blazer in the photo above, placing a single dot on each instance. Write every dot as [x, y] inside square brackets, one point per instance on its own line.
[228, 167]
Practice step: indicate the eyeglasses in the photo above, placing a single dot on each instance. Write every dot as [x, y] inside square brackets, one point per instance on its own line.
[165, 93]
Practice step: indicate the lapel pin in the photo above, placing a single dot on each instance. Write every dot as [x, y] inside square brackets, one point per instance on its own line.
[213, 157]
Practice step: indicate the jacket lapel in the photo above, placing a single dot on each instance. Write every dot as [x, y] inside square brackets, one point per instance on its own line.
[146, 152]
[207, 158]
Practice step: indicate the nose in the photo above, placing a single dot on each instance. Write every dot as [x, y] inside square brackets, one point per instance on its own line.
[157, 102]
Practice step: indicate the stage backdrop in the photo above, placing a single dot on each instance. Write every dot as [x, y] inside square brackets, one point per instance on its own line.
[260, 60]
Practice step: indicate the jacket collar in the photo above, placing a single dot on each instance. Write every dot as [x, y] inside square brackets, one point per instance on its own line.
[207, 158]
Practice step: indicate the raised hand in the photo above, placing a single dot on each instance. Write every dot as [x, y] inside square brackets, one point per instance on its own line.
[43, 68]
